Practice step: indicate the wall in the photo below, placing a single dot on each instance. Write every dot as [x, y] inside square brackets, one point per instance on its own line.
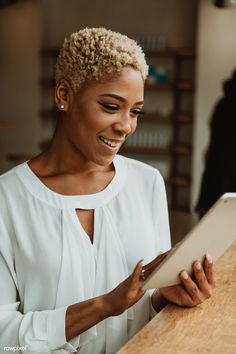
[216, 52]
[20, 40]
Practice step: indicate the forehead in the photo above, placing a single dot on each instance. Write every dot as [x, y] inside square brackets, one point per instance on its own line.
[128, 83]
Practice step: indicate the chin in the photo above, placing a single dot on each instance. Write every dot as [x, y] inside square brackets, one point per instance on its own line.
[104, 161]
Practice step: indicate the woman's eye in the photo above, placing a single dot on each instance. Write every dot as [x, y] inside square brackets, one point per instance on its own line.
[111, 107]
[137, 112]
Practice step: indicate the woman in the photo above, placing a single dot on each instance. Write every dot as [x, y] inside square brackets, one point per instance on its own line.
[77, 220]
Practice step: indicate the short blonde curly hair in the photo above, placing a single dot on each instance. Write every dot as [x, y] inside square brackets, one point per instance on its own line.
[96, 54]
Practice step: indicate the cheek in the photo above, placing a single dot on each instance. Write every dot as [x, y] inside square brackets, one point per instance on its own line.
[134, 125]
[88, 124]
[93, 118]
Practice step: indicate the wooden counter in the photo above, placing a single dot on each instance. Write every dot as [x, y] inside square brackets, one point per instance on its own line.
[207, 328]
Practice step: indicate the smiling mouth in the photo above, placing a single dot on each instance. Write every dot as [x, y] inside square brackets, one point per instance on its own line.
[111, 143]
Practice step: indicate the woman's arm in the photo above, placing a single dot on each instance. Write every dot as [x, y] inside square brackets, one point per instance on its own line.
[45, 331]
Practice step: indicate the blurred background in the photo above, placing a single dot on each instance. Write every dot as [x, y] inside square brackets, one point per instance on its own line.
[190, 47]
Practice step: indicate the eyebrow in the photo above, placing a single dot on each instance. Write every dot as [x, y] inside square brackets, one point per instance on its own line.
[122, 99]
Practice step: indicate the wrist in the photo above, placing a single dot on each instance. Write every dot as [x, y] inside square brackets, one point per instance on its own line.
[104, 307]
[111, 305]
[108, 304]
[83, 315]
[158, 301]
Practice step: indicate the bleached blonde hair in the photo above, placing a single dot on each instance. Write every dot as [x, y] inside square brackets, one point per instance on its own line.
[97, 54]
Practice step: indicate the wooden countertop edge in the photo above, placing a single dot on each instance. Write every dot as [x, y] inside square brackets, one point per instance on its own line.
[177, 330]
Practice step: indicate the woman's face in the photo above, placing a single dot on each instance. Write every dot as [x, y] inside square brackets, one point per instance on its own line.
[103, 115]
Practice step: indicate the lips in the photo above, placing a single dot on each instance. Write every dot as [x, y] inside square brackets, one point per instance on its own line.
[110, 142]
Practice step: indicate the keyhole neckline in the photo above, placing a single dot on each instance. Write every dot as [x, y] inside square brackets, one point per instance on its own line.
[87, 201]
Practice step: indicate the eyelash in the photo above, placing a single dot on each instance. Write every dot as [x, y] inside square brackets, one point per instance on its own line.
[137, 112]
[115, 108]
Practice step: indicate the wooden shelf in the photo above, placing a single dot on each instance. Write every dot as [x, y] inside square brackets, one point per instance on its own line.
[145, 150]
[7, 125]
[169, 119]
[181, 181]
[160, 87]
[180, 86]
[182, 150]
[185, 53]
[170, 53]
[176, 150]
[185, 86]
[184, 118]
[156, 54]
[156, 118]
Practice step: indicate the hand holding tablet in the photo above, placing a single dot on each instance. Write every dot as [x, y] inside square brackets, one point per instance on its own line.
[192, 291]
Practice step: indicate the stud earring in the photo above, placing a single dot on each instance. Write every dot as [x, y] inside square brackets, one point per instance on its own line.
[62, 106]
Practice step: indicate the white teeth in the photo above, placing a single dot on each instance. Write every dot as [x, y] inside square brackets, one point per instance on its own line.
[109, 142]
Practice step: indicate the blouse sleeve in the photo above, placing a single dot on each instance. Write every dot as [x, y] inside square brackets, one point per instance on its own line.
[39, 332]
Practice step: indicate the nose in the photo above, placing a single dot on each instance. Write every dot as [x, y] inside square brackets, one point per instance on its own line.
[125, 124]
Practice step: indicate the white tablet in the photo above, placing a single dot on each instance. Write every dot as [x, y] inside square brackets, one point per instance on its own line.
[214, 233]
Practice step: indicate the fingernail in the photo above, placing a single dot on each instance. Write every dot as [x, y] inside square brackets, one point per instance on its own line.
[142, 275]
[184, 275]
[198, 265]
[209, 258]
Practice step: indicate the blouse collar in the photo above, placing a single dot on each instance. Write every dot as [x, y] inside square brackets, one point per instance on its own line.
[88, 201]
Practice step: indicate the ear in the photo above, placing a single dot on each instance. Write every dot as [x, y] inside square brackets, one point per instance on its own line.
[63, 95]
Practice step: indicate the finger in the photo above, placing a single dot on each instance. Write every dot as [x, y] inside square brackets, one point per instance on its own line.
[138, 268]
[177, 295]
[191, 288]
[136, 275]
[148, 268]
[200, 278]
[208, 267]
[136, 280]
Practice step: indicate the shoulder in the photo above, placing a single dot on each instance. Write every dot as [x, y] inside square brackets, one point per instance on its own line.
[9, 181]
[7, 177]
[139, 172]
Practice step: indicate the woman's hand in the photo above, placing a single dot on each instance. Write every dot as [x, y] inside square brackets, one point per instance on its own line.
[126, 293]
[193, 290]
[85, 314]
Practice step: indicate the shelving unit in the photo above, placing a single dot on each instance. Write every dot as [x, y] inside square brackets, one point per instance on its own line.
[176, 150]
[161, 136]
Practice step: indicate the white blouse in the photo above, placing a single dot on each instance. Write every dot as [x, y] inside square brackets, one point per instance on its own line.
[47, 261]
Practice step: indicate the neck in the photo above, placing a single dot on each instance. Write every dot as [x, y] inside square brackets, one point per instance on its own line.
[62, 157]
